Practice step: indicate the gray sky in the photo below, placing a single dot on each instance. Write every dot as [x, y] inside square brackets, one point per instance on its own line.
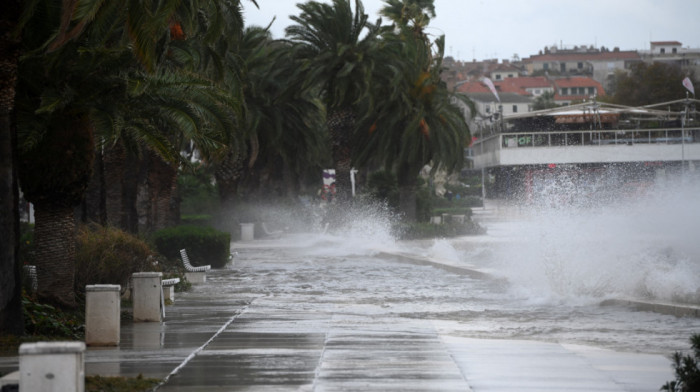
[484, 29]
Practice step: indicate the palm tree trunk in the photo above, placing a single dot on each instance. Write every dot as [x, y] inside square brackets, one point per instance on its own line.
[162, 187]
[54, 232]
[407, 178]
[228, 175]
[11, 319]
[340, 125]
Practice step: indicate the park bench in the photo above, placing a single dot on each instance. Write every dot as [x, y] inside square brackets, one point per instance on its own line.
[193, 274]
[271, 233]
[169, 288]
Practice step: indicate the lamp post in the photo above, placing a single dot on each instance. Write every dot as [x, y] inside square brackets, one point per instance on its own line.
[686, 104]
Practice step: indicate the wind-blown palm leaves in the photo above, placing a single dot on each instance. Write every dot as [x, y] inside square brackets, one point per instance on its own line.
[92, 81]
[338, 48]
[282, 120]
[416, 122]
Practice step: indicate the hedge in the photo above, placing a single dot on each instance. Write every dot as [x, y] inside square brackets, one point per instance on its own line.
[205, 245]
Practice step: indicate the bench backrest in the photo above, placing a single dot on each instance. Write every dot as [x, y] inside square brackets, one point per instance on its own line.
[185, 258]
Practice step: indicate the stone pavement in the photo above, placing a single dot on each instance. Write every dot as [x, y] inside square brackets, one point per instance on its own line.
[226, 336]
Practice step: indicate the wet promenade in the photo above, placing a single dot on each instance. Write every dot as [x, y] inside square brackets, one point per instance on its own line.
[289, 320]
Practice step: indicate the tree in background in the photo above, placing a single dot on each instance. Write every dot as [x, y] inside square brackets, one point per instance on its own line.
[11, 319]
[282, 122]
[102, 73]
[338, 48]
[414, 119]
[544, 101]
[649, 84]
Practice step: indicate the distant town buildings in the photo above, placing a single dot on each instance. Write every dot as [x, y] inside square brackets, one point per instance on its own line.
[571, 75]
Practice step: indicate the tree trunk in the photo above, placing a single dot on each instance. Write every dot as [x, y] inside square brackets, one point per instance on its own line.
[11, 319]
[340, 125]
[114, 192]
[54, 233]
[93, 205]
[228, 175]
[407, 177]
[162, 188]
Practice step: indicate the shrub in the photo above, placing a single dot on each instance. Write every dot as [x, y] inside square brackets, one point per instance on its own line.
[196, 220]
[429, 230]
[50, 323]
[106, 255]
[687, 369]
[205, 245]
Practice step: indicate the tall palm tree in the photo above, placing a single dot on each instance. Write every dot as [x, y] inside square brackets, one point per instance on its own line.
[338, 48]
[76, 87]
[11, 319]
[282, 120]
[416, 123]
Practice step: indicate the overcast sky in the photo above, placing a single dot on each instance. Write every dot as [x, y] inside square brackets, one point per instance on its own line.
[485, 29]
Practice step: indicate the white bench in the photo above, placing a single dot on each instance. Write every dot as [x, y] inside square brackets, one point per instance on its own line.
[194, 274]
[271, 233]
[169, 288]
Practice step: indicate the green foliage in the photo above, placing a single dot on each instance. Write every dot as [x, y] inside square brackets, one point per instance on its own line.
[196, 220]
[205, 245]
[119, 384]
[424, 204]
[48, 322]
[421, 230]
[107, 255]
[198, 193]
[462, 202]
[544, 101]
[382, 185]
[649, 83]
[687, 369]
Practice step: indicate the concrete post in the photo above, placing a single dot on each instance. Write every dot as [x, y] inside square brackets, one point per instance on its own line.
[102, 315]
[247, 231]
[52, 366]
[147, 292]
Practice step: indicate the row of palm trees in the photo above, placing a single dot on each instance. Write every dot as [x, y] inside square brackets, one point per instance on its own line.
[108, 94]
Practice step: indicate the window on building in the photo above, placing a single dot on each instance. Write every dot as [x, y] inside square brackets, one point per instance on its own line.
[580, 65]
[515, 108]
[488, 109]
[581, 91]
[510, 75]
[564, 91]
[662, 51]
[591, 91]
[538, 92]
[545, 66]
[562, 67]
[498, 76]
[674, 50]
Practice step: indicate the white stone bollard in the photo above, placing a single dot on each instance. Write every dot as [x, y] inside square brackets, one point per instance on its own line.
[147, 296]
[247, 231]
[102, 314]
[52, 366]
[436, 220]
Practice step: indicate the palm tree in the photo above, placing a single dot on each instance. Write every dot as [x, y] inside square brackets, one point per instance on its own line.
[282, 121]
[416, 123]
[338, 49]
[81, 85]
